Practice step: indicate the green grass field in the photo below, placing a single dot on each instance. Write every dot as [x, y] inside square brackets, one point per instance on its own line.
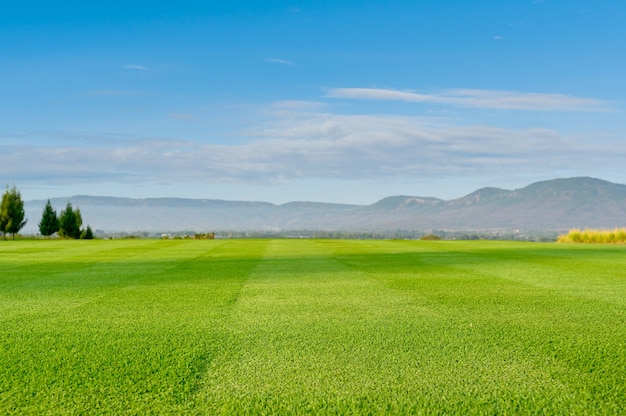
[311, 326]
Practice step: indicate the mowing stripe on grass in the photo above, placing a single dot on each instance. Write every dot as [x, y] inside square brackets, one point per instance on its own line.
[300, 318]
[559, 312]
[391, 327]
[312, 326]
[130, 347]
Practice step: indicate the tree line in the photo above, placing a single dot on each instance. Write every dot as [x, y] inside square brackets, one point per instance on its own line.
[67, 224]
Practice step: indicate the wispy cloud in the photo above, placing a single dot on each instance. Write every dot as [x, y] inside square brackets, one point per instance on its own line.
[315, 145]
[503, 100]
[136, 67]
[298, 106]
[181, 117]
[280, 61]
[114, 93]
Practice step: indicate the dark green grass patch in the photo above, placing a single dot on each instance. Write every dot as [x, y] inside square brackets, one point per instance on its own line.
[312, 326]
[115, 327]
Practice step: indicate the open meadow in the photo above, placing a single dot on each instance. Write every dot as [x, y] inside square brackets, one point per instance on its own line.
[311, 326]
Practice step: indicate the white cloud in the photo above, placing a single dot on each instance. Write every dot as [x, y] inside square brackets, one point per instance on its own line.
[314, 145]
[291, 105]
[114, 93]
[136, 67]
[280, 61]
[503, 100]
[181, 117]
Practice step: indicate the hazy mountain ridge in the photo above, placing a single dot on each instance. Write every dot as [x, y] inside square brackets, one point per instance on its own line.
[557, 204]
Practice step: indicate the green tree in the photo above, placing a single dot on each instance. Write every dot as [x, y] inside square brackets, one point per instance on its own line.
[12, 212]
[49, 223]
[88, 234]
[70, 222]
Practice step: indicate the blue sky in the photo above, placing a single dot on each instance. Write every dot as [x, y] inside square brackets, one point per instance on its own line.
[335, 101]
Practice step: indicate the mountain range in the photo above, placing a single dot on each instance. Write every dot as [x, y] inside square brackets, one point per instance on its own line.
[553, 205]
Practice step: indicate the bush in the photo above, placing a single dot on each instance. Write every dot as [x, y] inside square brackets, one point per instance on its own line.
[207, 236]
[617, 235]
[430, 237]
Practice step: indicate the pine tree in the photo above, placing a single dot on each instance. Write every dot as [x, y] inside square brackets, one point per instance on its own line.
[88, 234]
[70, 222]
[12, 212]
[49, 223]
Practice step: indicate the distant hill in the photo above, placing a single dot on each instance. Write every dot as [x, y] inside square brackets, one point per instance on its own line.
[558, 204]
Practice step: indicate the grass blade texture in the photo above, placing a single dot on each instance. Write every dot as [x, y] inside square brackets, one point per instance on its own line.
[311, 326]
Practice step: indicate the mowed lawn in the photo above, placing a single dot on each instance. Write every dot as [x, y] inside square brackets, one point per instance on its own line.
[311, 326]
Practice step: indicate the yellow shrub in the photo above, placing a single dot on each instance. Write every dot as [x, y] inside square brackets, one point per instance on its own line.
[617, 235]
